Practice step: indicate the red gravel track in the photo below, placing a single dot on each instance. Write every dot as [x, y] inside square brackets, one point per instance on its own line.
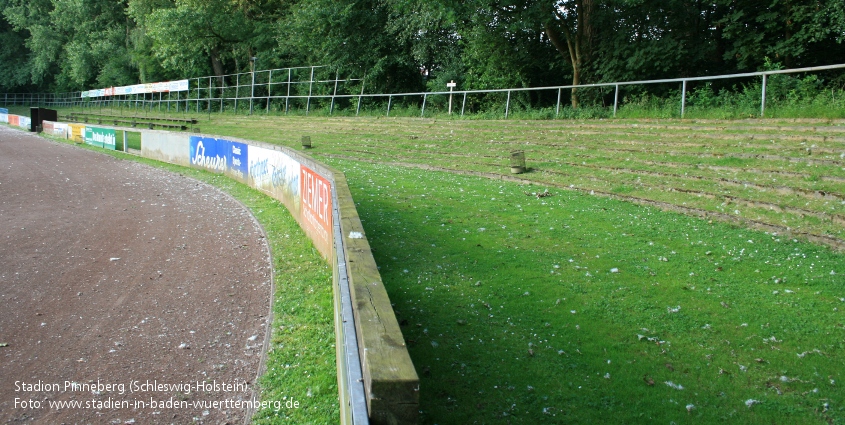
[117, 272]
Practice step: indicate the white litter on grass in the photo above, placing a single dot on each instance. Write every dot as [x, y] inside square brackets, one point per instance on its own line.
[356, 235]
[801, 355]
[607, 375]
[750, 402]
[614, 270]
[673, 310]
[690, 407]
[674, 385]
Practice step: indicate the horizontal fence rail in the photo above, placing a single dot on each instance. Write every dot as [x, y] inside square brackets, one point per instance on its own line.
[277, 90]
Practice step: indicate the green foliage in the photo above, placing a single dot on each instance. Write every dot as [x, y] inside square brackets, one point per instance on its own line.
[420, 45]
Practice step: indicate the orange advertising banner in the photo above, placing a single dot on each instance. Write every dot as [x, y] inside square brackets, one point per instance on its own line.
[14, 120]
[316, 210]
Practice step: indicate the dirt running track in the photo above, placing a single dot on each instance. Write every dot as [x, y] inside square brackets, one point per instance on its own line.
[117, 272]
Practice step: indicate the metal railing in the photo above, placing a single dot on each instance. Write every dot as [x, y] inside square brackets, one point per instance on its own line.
[215, 93]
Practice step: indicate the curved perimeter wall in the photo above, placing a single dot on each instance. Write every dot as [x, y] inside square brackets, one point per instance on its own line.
[373, 360]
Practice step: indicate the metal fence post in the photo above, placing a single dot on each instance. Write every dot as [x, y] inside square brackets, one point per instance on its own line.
[237, 91]
[763, 101]
[423, 105]
[360, 97]
[389, 100]
[269, 89]
[336, 76]
[310, 88]
[463, 104]
[508, 105]
[287, 98]
[683, 96]
[252, 87]
[557, 108]
[615, 100]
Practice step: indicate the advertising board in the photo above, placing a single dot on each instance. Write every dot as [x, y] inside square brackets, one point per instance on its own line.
[4, 115]
[220, 155]
[100, 137]
[316, 211]
[275, 173]
[76, 132]
[162, 87]
[14, 119]
[59, 129]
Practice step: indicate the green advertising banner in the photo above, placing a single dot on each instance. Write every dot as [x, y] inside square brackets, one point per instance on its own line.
[101, 137]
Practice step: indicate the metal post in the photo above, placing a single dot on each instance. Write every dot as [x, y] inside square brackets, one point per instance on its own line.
[389, 100]
[451, 86]
[252, 88]
[269, 89]
[683, 96]
[763, 101]
[508, 105]
[423, 106]
[463, 104]
[287, 98]
[336, 76]
[557, 108]
[615, 100]
[310, 88]
[359, 98]
[124, 140]
[237, 91]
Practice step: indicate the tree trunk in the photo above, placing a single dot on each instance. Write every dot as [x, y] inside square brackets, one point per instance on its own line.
[217, 65]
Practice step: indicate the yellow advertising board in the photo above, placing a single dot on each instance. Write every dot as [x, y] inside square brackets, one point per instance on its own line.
[76, 132]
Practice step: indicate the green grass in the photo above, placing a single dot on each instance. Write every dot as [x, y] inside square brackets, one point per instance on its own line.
[301, 358]
[481, 273]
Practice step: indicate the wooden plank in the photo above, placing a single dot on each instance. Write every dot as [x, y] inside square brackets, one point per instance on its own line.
[391, 382]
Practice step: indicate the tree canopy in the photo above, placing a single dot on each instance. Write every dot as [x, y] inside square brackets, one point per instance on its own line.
[403, 45]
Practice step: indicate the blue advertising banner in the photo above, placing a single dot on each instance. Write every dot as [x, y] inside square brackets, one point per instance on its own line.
[4, 115]
[220, 155]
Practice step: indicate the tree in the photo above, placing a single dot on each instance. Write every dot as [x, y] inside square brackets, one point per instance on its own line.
[793, 32]
[573, 18]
